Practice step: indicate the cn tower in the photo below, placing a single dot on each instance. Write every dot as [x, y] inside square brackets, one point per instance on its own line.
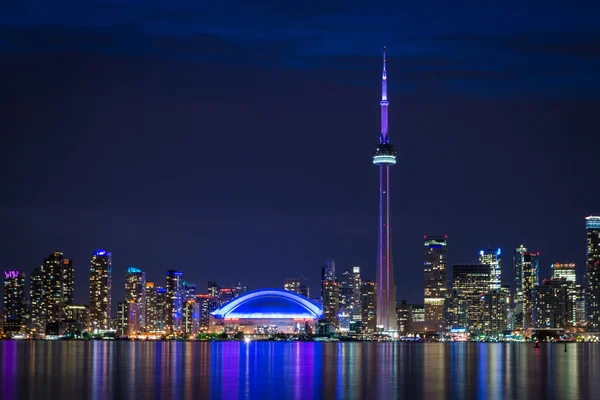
[385, 156]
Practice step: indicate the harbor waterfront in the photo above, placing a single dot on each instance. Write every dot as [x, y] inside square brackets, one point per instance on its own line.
[295, 370]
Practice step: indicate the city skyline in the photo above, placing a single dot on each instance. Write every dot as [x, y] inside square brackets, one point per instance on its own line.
[477, 112]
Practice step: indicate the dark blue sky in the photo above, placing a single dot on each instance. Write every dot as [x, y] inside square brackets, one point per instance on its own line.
[233, 141]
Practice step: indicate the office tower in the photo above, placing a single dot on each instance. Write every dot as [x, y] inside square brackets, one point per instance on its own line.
[174, 301]
[368, 302]
[226, 295]
[384, 156]
[469, 281]
[191, 317]
[331, 301]
[207, 304]
[135, 292]
[14, 303]
[592, 287]
[530, 266]
[495, 305]
[156, 302]
[100, 290]
[189, 290]
[239, 289]
[76, 320]
[327, 272]
[122, 318]
[518, 292]
[435, 251]
[493, 259]
[550, 304]
[564, 270]
[350, 293]
[52, 289]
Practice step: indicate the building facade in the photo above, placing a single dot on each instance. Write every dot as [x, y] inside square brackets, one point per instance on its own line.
[14, 303]
[135, 292]
[550, 304]
[100, 290]
[493, 258]
[469, 282]
[531, 278]
[331, 302]
[174, 301]
[435, 254]
[368, 302]
[156, 303]
[518, 288]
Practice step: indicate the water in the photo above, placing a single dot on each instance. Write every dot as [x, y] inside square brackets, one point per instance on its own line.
[296, 370]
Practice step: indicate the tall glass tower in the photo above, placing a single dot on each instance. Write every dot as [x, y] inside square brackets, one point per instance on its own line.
[100, 290]
[434, 268]
[384, 156]
[592, 273]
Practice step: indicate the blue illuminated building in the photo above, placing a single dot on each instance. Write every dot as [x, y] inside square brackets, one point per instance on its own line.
[266, 311]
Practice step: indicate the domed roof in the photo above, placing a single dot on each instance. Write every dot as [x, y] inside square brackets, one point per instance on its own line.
[270, 303]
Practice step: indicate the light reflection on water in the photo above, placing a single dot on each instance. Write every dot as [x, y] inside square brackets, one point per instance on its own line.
[296, 370]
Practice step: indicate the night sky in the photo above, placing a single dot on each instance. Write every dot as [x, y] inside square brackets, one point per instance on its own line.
[234, 141]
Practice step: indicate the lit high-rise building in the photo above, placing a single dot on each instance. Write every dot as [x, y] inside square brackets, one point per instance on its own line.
[493, 258]
[52, 289]
[100, 290]
[191, 317]
[190, 291]
[368, 303]
[327, 273]
[518, 289]
[496, 305]
[350, 293]
[592, 274]
[297, 286]
[174, 304]
[135, 292]
[564, 270]
[531, 279]
[207, 305]
[385, 156]
[156, 302]
[435, 251]
[550, 304]
[331, 301]
[14, 302]
[469, 282]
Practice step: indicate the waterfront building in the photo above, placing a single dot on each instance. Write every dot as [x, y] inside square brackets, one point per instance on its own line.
[435, 254]
[550, 304]
[14, 303]
[135, 292]
[189, 290]
[493, 258]
[174, 301]
[52, 289]
[350, 294]
[495, 305]
[100, 290]
[384, 156]
[207, 305]
[404, 312]
[156, 302]
[592, 275]
[191, 317]
[531, 278]
[331, 302]
[518, 289]
[469, 282]
[368, 302]
[327, 273]
[76, 320]
[266, 311]
[297, 286]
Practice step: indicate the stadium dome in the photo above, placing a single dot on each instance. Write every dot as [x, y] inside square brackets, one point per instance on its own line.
[269, 304]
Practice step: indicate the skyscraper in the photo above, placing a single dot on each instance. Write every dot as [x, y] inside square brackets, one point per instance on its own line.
[155, 307]
[592, 284]
[174, 301]
[135, 292]
[327, 273]
[368, 302]
[14, 302]
[52, 289]
[384, 156]
[297, 286]
[331, 301]
[518, 291]
[435, 280]
[531, 278]
[469, 282]
[493, 259]
[550, 304]
[100, 290]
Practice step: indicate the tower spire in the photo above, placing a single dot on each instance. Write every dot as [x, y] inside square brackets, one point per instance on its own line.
[384, 139]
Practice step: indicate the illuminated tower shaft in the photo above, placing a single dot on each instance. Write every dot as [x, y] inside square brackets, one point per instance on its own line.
[385, 156]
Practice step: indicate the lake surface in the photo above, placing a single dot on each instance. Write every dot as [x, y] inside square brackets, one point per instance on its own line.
[296, 370]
